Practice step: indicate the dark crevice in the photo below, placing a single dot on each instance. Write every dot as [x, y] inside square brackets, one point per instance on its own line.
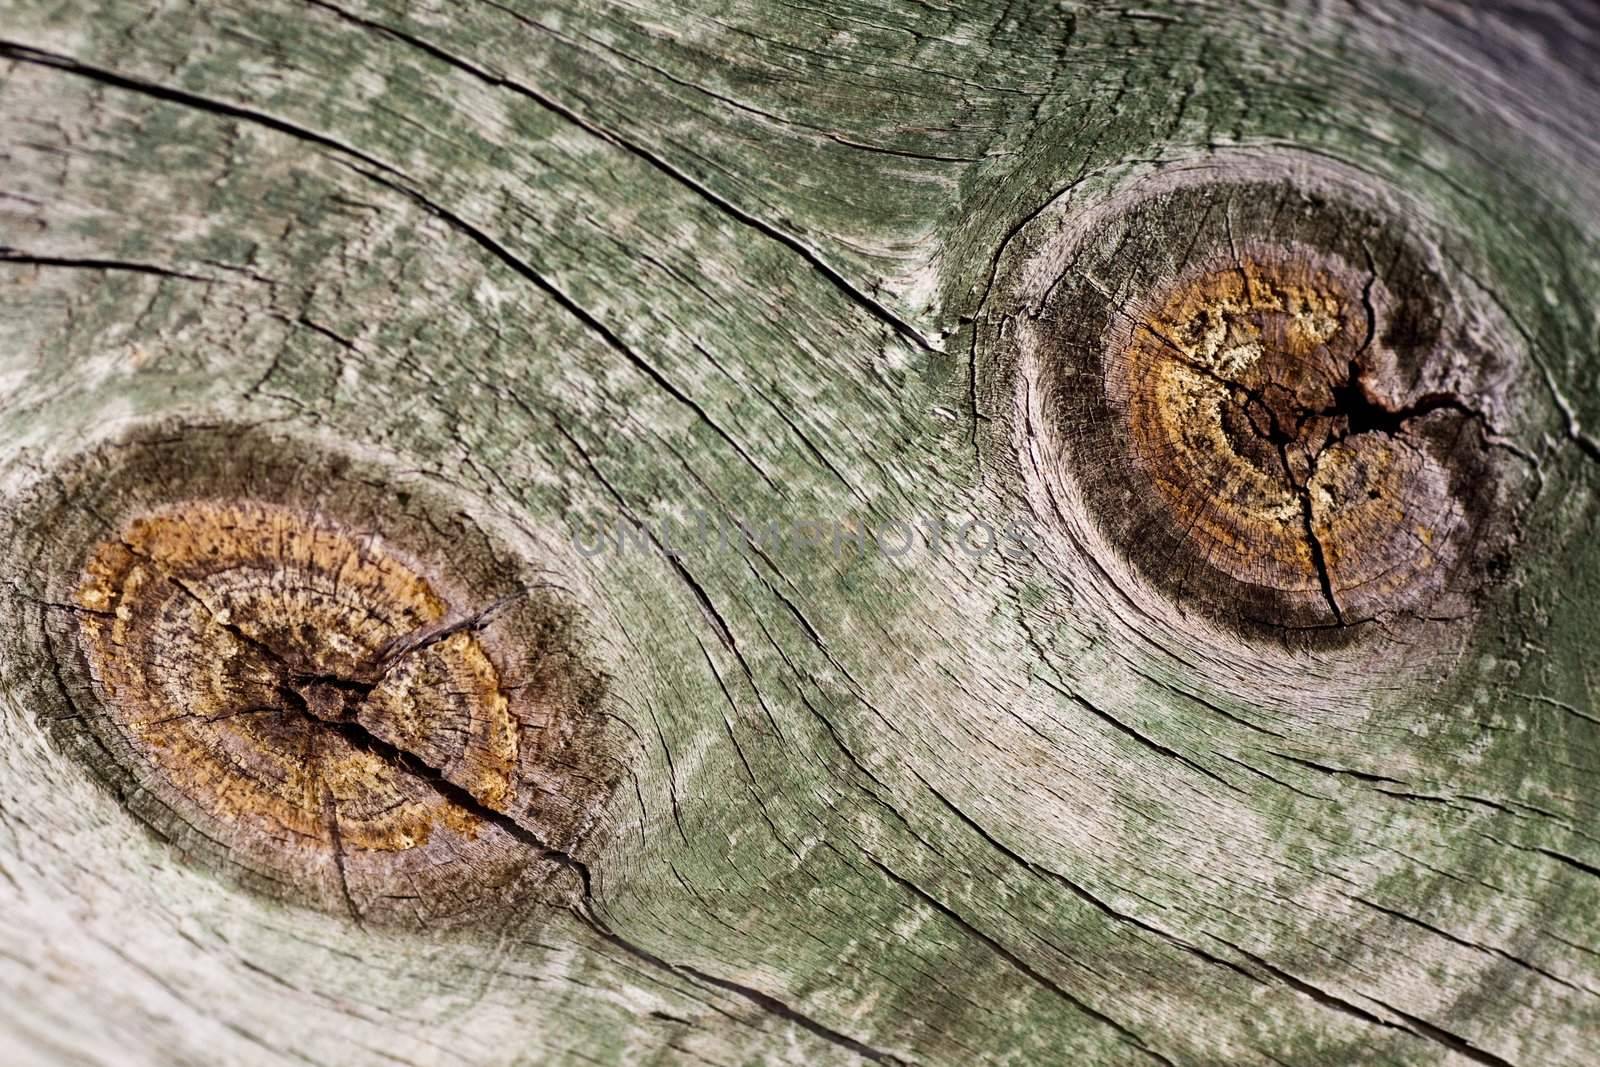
[1367, 307]
[1188, 694]
[1128, 731]
[566, 302]
[347, 725]
[1321, 996]
[1570, 861]
[765, 1001]
[1448, 936]
[1083, 894]
[396, 181]
[1364, 776]
[1412, 1024]
[365, 677]
[22, 53]
[1281, 439]
[1021, 965]
[1455, 1042]
[613, 339]
[1353, 402]
[332, 702]
[1302, 491]
[330, 814]
[19, 256]
[1365, 413]
[839, 282]
[423, 637]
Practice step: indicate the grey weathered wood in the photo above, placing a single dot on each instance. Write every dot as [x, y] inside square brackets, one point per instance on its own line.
[560, 262]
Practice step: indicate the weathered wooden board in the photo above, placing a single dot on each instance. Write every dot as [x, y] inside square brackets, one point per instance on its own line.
[531, 268]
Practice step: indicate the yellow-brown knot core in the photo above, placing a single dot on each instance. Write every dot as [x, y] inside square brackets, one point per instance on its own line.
[1259, 408]
[305, 696]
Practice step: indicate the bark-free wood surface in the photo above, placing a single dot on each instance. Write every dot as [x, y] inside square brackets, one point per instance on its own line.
[559, 264]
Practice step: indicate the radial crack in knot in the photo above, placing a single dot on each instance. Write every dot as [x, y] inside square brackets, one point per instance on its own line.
[316, 706]
[1284, 420]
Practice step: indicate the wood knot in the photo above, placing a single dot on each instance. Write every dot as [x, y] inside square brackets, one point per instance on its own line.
[1279, 410]
[1285, 444]
[345, 723]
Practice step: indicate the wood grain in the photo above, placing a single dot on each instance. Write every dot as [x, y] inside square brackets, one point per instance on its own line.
[513, 269]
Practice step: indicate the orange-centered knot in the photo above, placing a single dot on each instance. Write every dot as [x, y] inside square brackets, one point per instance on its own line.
[1261, 409]
[297, 691]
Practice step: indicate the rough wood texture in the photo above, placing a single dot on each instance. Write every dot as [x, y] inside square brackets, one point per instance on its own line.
[547, 266]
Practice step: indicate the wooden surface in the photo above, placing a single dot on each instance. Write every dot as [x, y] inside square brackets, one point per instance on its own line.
[550, 266]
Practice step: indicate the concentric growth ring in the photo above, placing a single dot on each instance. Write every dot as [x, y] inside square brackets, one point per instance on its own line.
[1276, 407]
[348, 694]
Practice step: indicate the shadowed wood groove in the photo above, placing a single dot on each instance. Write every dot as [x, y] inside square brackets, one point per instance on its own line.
[1259, 336]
